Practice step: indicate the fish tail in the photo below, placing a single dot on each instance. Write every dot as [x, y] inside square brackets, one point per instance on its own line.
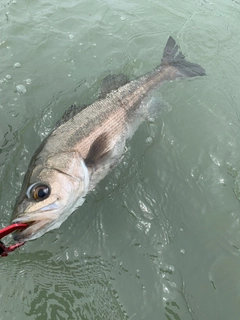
[172, 56]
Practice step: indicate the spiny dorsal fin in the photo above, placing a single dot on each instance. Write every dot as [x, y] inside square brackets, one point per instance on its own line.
[112, 82]
[109, 83]
[100, 147]
[69, 113]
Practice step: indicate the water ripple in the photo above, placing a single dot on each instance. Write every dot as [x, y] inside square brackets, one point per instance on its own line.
[44, 288]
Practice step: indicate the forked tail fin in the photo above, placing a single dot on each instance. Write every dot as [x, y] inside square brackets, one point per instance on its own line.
[174, 57]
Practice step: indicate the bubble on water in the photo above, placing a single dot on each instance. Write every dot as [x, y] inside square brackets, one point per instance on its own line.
[69, 75]
[8, 77]
[182, 251]
[222, 181]
[71, 36]
[149, 140]
[21, 89]
[122, 18]
[17, 65]
[28, 81]
[76, 254]
[80, 43]
[151, 120]
[171, 269]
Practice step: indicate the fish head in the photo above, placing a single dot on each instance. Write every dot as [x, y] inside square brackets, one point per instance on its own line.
[51, 191]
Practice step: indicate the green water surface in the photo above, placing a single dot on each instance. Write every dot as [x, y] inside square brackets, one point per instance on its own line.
[159, 238]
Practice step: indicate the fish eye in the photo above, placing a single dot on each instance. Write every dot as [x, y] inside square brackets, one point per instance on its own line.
[38, 191]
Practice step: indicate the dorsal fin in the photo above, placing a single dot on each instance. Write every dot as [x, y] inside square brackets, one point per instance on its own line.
[110, 83]
[69, 113]
[100, 147]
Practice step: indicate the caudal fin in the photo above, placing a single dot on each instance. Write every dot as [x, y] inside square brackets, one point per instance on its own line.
[174, 57]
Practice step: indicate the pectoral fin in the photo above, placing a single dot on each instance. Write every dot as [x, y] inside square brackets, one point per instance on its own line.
[99, 149]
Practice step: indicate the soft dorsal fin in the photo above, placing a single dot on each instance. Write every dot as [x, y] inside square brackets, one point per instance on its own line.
[100, 147]
[112, 82]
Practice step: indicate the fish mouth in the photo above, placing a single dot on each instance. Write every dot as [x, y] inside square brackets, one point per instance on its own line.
[38, 224]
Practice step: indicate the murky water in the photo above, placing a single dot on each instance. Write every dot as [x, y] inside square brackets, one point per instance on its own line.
[159, 238]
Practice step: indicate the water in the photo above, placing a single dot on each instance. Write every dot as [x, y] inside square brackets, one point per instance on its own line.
[159, 238]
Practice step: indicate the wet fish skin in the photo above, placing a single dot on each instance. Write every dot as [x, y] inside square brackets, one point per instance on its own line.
[80, 152]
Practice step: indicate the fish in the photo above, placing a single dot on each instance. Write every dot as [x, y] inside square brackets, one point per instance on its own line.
[86, 144]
